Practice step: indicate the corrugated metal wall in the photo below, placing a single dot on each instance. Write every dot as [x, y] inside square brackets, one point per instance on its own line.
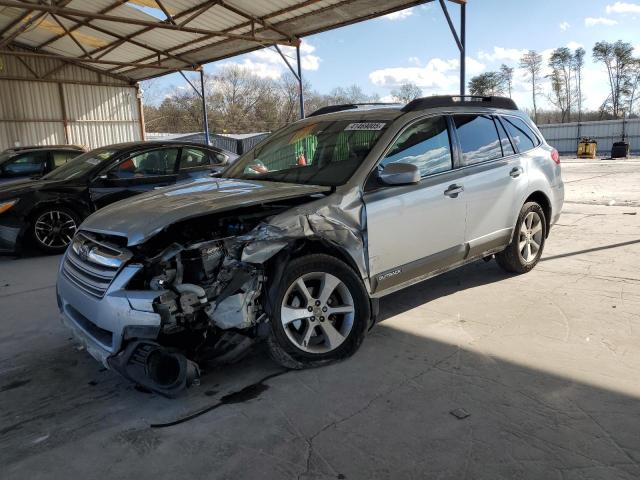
[565, 136]
[74, 105]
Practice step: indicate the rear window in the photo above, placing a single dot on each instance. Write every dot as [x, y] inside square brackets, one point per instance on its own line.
[478, 138]
[521, 133]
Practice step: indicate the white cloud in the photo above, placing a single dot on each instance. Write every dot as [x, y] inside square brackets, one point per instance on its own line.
[574, 45]
[500, 53]
[271, 56]
[260, 69]
[437, 75]
[415, 61]
[592, 21]
[399, 15]
[564, 26]
[623, 7]
[267, 63]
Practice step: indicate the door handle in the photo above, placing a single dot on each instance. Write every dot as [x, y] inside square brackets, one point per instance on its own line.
[516, 172]
[454, 190]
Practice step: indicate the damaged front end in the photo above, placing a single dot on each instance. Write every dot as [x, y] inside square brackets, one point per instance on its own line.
[206, 283]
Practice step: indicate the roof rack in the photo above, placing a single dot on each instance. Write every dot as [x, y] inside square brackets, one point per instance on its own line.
[351, 106]
[459, 101]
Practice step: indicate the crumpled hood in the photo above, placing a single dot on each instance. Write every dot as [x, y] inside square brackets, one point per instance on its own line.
[141, 217]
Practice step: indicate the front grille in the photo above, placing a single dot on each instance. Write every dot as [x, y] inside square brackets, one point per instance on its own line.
[92, 264]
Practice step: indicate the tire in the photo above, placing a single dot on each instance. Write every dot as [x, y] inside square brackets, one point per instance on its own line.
[306, 338]
[62, 222]
[521, 255]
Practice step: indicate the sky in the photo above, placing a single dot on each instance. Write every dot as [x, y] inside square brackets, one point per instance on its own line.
[415, 45]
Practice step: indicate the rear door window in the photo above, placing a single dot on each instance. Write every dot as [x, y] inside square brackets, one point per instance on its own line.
[194, 158]
[478, 138]
[61, 157]
[425, 144]
[521, 133]
[148, 164]
[507, 148]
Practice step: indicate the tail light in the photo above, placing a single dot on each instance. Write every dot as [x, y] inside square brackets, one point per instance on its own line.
[555, 156]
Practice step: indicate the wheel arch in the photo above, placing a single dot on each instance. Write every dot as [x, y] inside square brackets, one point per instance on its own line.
[542, 199]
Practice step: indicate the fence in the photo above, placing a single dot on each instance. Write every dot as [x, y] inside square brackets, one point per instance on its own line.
[565, 136]
[232, 143]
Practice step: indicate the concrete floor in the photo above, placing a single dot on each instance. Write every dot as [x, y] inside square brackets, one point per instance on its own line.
[544, 364]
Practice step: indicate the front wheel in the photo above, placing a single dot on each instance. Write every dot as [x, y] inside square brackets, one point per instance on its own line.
[53, 229]
[320, 312]
[525, 249]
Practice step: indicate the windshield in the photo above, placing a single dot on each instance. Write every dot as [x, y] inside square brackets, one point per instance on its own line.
[319, 153]
[82, 165]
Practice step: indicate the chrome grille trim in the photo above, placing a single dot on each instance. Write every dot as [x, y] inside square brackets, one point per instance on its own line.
[92, 265]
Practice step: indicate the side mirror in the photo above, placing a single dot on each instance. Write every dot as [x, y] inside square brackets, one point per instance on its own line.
[400, 174]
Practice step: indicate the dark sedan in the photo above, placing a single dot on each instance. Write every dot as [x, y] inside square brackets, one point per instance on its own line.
[47, 211]
[26, 162]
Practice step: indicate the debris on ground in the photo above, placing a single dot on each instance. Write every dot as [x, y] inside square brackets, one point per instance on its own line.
[460, 413]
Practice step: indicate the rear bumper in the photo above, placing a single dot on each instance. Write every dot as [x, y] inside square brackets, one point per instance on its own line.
[102, 325]
[557, 200]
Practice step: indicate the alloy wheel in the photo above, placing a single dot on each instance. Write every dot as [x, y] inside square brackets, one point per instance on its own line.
[55, 228]
[530, 238]
[317, 312]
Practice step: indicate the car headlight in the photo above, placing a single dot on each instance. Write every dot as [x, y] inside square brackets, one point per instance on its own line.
[4, 206]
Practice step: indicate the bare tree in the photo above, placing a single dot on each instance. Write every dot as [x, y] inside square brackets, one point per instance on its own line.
[531, 62]
[578, 64]
[634, 84]
[561, 63]
[406, 92]
[619, 61]
[506, 73]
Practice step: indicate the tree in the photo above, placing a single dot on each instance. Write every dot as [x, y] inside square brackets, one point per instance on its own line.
[487, 83]
[507, 77]
[531, 62]
[619, 61]
[634, 84]
[406, 92]
[561, 63]
[578, 64]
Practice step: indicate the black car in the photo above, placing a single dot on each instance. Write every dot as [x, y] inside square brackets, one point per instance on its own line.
[47, 211]
[34, 161]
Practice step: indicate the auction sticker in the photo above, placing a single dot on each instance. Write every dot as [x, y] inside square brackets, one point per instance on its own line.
[367, 126]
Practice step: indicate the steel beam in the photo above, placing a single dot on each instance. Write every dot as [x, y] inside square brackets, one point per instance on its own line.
[134, 21]
[300, 91]
[463, 52]
[205, 117]
[84, 60]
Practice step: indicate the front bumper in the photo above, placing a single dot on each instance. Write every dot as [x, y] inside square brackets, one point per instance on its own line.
[9, 236]
[102, 325]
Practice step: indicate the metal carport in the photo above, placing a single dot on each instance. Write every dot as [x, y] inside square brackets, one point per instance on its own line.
[97, 51]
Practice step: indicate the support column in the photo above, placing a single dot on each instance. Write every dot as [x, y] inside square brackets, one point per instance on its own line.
[143, 133]
[463, 51]
[63, 110]
[205, 117]
[300, 90]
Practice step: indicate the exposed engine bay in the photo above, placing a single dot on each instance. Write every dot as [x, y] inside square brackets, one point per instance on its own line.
[211, 300]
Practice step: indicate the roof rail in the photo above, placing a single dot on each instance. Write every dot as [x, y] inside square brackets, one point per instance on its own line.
[459, 101]
[350, 106]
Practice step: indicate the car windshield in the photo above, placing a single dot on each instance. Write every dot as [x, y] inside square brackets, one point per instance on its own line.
[316, 153]
[82, 164]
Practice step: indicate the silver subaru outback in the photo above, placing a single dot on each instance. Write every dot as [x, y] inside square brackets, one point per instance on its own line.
[296, 242]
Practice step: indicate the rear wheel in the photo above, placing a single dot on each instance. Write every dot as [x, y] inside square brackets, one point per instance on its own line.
[320, 312]
[53, 229]
[525, 249]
